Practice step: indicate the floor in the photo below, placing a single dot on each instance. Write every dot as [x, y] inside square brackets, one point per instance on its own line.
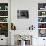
[3, 45]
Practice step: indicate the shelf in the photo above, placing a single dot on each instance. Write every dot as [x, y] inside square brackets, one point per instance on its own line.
[41, 10]
[41, 28]
[42, 16]
[3, 10]
[3, 22]
[3, 16]
[41, 22]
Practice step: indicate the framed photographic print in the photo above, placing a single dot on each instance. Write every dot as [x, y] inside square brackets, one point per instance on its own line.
[22, 14]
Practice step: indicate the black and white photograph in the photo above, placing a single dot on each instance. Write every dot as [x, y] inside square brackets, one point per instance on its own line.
[22, 14]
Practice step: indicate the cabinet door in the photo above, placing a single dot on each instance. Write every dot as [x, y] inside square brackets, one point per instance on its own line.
[41, 41]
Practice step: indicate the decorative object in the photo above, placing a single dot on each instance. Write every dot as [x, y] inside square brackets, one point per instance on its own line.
[0, 7]
[13, 27]
[42, 32]
[42, 25]
[26, 38]
[6, 7]
[4, 26]
[3, 6]
[31, 27]
[43, 13]
[3, 19]
[23, 40]
[41, 6]
[3, 13]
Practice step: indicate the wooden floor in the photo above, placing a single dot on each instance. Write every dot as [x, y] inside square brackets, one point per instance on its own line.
[3, 45]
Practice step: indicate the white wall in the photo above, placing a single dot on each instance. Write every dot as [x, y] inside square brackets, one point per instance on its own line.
[32, 6]
[23, 24]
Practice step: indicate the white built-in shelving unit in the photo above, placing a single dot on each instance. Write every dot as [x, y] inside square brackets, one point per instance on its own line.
[42, 18]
